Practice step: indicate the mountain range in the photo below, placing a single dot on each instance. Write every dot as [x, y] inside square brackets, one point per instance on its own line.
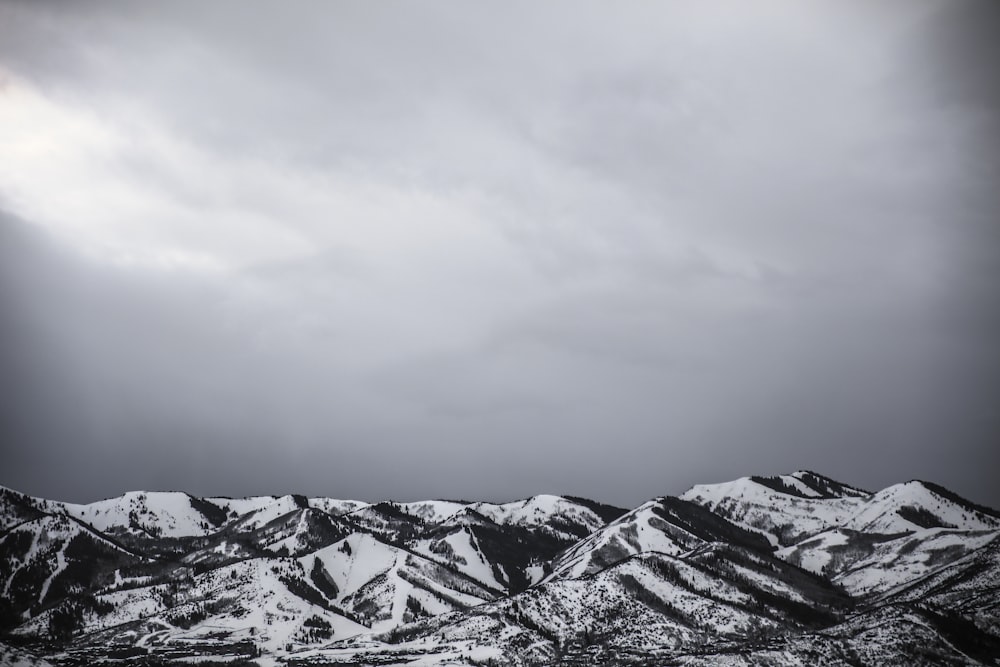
[794, 569]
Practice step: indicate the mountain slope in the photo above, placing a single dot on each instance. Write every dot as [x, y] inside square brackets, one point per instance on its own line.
[785, 508]
[790, 569]
[665, 525]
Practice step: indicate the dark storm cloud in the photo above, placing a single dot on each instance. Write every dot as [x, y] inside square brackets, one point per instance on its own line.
[452, 251]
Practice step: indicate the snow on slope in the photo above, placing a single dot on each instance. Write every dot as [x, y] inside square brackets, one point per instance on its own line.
[236, 507]
[788, 517]
[354, 561]
[299, 532]
[432, 511]
[867, 543]
[649, 600]
[29, 550]
[265, 514]
[970, 583]
[460, 550]
[815, 554]
[161, 514]
[646, 600]
[897, 636]
[568, 608]
[297, 540]
[263, 606]
[562, 516]
[37, 554]
[540, 510]
[467, 516]
[669, 571]
[896, 563]
[246, 601]
[911, 506]
[11, 656]
[335, 506]
[637, 531]
[664, 525]
[387, 585]
[17, 507]
[783, 516]
[865, 565]
[267, 508]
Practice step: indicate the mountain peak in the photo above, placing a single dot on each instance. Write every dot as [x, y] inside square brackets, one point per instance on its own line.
[800, 484]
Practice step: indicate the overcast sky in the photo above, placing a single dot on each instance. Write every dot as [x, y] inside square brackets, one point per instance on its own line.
[407, 250]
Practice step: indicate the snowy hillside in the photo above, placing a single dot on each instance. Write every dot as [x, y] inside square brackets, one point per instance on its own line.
[154, 514]
[786, 570]
[783, 508]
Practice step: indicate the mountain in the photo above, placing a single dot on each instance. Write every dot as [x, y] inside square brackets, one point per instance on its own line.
[783, 508]
[865, 542]
[791, 569]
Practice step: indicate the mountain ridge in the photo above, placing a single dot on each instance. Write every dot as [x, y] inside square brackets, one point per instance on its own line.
[784, 568]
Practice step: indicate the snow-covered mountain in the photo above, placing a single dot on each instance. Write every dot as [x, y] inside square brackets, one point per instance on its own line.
[793, 569]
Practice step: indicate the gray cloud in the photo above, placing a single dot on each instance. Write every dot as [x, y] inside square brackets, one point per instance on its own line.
[453, 251]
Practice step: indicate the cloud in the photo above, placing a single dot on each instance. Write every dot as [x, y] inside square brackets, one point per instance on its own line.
[452, 251]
